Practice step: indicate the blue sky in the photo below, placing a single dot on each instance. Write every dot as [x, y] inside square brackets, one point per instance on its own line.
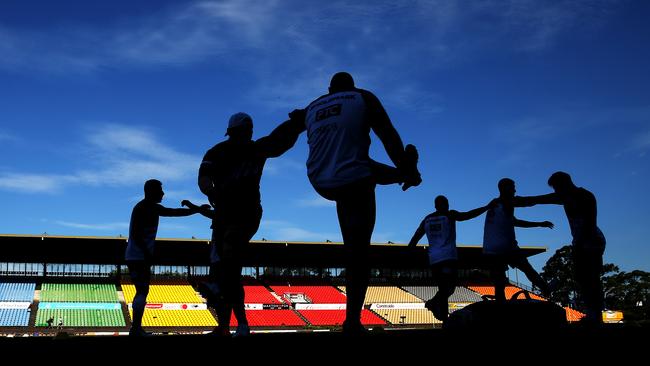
[97, 98]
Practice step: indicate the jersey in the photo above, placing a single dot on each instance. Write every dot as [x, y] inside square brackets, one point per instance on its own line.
[580, 208]
[441, 234]
[142, 231]
[338, 135]
[235, 168]
[499, 231]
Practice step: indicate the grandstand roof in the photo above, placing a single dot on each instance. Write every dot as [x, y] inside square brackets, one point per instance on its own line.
[110, 250]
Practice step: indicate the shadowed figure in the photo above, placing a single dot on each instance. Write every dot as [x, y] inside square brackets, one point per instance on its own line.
[440, 228]
[588, 244]
[499, 242]
[230, 176]
[49, 322]
[338, 127]
[141, 244]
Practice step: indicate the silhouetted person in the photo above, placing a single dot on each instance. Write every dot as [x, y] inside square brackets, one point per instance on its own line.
[50, 321]
[440, 228]
[140, 248]
[60, 323]
[338, 127]
[499, 242]
[230, 176]
[588, 241]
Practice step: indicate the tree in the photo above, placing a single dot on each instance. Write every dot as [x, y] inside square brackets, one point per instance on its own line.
[559, 272]
[629, 292]
[626, 291]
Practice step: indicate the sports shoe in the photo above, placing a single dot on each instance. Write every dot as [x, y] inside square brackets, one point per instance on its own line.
[138, 332]
[242, 331]
[354, 329]
[220, 332]
[410, 167]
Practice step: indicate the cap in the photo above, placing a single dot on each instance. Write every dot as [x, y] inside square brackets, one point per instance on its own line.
[239, 119]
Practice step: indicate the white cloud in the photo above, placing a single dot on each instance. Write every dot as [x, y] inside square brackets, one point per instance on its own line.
[293, 47]
[296, 40]
[299, 234]
[33, 183]
[315, 201]
[131, 155]
[283, 230]
[196, 198]
[120, 155]
[98, 227]
[278, 166]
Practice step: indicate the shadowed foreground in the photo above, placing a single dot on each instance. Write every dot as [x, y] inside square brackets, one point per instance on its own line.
[611, 341]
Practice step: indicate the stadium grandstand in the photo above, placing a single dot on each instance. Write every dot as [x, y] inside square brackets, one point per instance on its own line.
[81, 285]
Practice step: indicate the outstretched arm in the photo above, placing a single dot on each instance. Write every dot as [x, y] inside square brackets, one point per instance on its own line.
[528, 224]
[545, 199]
[204, 210]
[419, 233]
[463, 216]
[283, 137]
[175, 212]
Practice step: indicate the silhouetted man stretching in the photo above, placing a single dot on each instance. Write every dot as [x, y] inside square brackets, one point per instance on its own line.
[588, 241]
[338, 128]
[499, 242]
[230, 176]
[440, 228]
[140, 247]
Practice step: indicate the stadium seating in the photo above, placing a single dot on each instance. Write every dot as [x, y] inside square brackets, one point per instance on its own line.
[165, 292]
[336, 317]
[177, 318]
[81, 317]
[573, 315]
[270, 318]
[17, 291]
[14, 317]
[258, 294]
[387, 294]
[78, 292]
[408, 316]
[321, 294]
[460, 295]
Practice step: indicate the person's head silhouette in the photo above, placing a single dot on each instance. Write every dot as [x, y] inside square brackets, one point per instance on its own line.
[507, 187]
[153, 190]
[441, 203]
[240, 127]
[560, 182]
[341, 81]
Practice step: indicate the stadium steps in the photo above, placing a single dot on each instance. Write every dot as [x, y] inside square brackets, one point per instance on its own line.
[123, 305]
[32, 317]
[302, 317]
[276, 296]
